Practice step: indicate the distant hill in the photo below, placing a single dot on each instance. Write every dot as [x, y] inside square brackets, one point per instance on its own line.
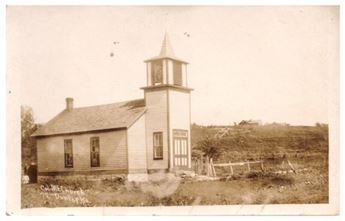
[243, 142]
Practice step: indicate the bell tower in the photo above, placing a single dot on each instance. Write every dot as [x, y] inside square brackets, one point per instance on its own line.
[167, 99]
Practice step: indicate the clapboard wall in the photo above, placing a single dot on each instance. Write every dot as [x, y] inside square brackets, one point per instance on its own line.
[113, 152]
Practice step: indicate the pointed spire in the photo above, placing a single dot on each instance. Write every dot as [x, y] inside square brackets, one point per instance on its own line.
[166, 50]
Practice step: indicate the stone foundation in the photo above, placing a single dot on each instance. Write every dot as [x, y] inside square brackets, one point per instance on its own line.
[42, 179]
[137, 177]
[131, 177]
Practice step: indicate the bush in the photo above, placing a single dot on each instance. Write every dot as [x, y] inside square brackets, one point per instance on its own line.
[209, 147]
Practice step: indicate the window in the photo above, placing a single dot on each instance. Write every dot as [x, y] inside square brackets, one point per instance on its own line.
[157, 73]
[68, 153]
[94, 151]
[177, 73]
[158, 145]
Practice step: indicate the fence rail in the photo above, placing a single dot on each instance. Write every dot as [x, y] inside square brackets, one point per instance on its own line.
[208, 166]
[236, 164]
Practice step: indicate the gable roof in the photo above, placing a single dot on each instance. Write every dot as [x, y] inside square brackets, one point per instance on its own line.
[101, 117]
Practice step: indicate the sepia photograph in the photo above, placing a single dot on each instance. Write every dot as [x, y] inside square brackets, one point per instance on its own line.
[173, 107]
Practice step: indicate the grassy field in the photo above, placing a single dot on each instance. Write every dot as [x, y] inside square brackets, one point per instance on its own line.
[305, 147]
[306, 187]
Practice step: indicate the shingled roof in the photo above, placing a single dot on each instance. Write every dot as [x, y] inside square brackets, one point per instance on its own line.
[94, 118]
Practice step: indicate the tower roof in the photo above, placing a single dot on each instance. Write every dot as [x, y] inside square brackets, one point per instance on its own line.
[166, 51]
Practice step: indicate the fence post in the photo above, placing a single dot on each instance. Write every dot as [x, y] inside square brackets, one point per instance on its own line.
[208, 166]
[262, 166]
[293, 169]
[212, 168]
[202, 165]
[231, 169]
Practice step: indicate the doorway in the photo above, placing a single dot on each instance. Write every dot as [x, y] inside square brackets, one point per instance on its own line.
[180, 149]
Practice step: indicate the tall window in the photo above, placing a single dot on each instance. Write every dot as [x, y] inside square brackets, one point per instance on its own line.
[157, 72]
[158, 145]
[68, 153]
[94, 151]
[177, 73]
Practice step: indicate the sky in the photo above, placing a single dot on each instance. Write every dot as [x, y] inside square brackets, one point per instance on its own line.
[275, 64]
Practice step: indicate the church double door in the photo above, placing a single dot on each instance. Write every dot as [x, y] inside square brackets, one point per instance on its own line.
[180, 149]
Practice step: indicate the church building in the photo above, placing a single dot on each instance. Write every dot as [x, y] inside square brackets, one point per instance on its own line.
[134, 137]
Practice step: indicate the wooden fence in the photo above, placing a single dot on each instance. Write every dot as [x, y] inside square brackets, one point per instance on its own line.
[207, 167]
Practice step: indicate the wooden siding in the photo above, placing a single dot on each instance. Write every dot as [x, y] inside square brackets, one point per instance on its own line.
[156, 120]
[179, 116]
[137, 159]
[113, 152]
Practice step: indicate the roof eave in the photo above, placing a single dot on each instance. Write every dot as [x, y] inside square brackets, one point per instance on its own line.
[79, 132]
[166, 57]
[157, 87]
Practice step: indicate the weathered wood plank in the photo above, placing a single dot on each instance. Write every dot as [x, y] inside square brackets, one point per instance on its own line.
[235, 164]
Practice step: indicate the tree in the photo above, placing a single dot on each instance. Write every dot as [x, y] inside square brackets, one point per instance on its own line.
[210, 147]
[28, 143]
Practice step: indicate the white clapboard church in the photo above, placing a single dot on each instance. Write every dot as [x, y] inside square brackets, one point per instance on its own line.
[135, 137]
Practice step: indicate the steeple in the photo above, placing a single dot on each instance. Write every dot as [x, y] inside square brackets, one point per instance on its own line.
[166, 70]
[166, 50]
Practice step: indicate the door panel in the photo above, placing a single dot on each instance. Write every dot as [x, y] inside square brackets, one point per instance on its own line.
[180, 152]
[180, 149]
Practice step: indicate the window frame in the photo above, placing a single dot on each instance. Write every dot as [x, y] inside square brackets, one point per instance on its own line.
[92, 139]
[160, 145]
[178, 81]
[153, 72]
[68, 153]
